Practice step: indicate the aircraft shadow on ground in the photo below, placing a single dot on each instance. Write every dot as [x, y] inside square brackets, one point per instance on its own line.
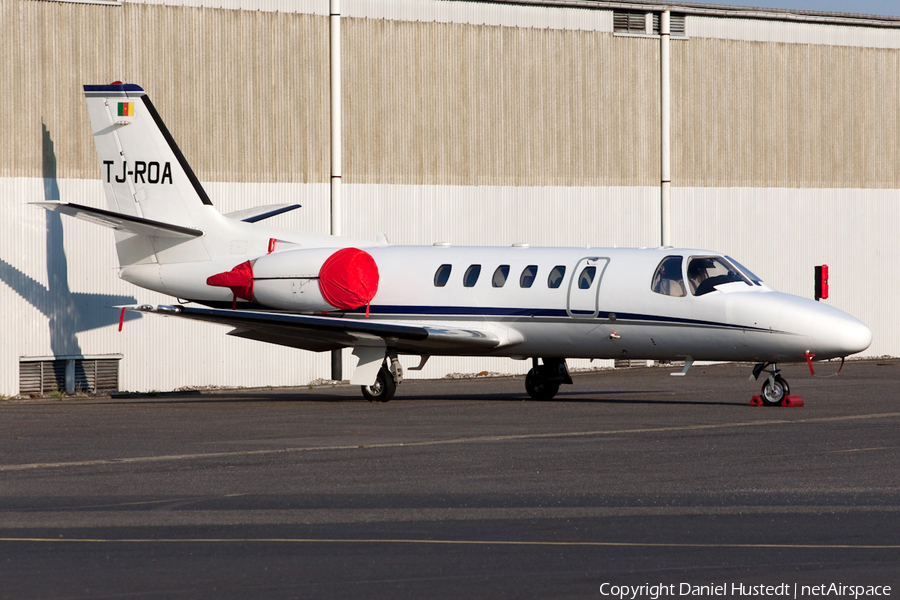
[351, 395]
[69, 313]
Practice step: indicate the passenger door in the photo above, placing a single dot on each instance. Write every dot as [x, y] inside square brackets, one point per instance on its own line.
[584, 287]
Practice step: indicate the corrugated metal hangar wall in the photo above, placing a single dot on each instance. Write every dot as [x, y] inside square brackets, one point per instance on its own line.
[473, 123]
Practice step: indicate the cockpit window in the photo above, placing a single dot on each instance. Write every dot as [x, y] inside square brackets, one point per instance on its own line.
[706, 272]
[442, 275]
[745, 271]
[500, 275]
[668, 280]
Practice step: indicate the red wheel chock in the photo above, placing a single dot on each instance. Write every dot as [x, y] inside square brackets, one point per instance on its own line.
[788, 402]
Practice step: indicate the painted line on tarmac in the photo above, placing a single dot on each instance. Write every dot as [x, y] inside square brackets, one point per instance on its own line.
[185, 514]
[445, 543]
[465, 440]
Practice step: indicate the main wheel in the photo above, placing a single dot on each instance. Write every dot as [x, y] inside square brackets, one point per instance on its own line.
[383, 389]
[539, 389]
[773, 395]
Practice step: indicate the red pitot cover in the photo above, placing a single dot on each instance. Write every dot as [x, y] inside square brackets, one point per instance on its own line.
[239, 279]
[349, 278]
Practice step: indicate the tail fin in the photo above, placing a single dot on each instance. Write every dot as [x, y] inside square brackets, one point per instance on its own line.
[144, 173]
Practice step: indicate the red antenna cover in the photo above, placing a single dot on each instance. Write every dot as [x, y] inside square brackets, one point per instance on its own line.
[349, 278]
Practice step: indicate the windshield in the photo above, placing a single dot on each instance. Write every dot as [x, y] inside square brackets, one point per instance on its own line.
[750, 275]
[706, 272]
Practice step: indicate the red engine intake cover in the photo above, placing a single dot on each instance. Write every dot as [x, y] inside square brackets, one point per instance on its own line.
[349, 278]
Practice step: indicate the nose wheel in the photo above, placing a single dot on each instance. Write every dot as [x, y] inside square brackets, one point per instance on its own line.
[774, 389]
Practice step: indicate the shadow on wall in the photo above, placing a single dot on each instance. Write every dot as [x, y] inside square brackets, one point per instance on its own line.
[68, 313]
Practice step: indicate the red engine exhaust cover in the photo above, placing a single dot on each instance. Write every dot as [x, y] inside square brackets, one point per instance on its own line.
[239, 279]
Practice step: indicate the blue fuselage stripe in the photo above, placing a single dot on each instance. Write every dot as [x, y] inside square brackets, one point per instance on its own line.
[487, 312]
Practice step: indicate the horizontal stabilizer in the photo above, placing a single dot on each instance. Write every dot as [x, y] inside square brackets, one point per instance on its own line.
[260, 213]
[121, 222]
[327, 333]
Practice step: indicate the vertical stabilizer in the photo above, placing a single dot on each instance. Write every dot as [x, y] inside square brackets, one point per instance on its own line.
[144, 174]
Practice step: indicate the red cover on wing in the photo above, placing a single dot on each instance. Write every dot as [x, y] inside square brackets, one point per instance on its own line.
[349, 278]
[239, 279]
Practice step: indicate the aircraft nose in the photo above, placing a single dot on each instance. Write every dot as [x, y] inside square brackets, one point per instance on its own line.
[839, 334]
[854, 337]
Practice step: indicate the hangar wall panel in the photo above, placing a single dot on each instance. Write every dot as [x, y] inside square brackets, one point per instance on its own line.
[481, 13]
[504, 215]
[441, 11]
[210, 73]
[758, 30]
[748, 114]
[315, 7]
[449, 104]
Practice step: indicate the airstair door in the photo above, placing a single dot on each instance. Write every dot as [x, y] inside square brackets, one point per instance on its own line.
[584, 287]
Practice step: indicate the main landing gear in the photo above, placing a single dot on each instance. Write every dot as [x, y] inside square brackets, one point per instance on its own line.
[774, 389]
[386, 382]
[542, 381]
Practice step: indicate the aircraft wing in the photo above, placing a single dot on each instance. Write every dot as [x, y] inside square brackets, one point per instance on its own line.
[318, 334]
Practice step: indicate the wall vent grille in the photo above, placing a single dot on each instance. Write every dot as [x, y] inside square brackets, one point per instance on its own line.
[634, 22]
[69, 374]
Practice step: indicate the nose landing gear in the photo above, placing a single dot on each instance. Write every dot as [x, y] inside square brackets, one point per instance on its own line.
[774, 389]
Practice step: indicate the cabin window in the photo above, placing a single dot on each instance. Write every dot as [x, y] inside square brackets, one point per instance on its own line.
[586, 278]
[471, 276]
[668, 280]
[556, 276]
[706, 272]
[500, 275]
[442, 275]
[528, 275]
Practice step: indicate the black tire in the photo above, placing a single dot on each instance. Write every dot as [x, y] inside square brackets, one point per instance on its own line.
[775, 396]
[383, 389]
[538, 389]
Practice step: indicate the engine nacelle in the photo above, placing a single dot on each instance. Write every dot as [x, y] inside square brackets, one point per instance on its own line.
[289, 280]
[305, 280]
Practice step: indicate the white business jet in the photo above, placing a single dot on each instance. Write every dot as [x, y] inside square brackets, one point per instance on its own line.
[319, 292]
